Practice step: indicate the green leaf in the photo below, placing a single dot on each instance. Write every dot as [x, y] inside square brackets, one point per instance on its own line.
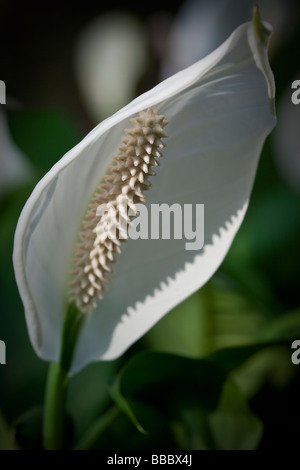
[194, 394]
[233, 425]
[176, 385]
[185, 329]
[280, 332]
[231, 358]
[215, 317]
[168, 380]
[285, 328]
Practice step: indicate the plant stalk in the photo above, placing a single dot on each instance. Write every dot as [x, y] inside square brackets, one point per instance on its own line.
[57, 382]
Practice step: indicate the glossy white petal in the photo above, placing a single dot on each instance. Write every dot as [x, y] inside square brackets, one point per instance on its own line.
[219, 114]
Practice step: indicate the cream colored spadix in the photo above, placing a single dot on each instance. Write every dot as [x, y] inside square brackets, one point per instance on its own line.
[125, 184]
[220, 110]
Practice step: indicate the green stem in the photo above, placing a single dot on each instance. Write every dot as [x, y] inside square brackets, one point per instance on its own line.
[93, 434]
[56, 389]
[58, 377]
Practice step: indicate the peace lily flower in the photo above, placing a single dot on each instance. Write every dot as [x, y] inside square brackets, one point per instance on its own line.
[219, 112]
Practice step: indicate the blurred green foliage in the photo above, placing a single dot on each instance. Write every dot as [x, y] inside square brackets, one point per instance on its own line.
[250, 306]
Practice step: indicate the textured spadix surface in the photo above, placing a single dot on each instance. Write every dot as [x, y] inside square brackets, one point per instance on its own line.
[220, 111]
[125, 183]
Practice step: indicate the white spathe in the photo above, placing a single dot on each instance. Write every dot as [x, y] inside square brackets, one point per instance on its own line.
[220, 111]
